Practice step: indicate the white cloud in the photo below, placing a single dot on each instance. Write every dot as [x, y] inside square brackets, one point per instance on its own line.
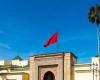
[6, 46]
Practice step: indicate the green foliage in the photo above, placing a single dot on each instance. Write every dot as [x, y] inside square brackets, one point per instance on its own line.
[94, 14]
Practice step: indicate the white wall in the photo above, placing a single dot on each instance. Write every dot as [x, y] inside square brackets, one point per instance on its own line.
[2, 62]
[16, 77]
[83, 76]
[20, 63]
[84, 72]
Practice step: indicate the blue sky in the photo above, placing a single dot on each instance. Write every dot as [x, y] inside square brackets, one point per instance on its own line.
[25, 25]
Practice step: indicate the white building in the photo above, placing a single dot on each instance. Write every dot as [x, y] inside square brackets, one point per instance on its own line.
[14, 76]
[19, 62]
[17, 69]
[87, 71]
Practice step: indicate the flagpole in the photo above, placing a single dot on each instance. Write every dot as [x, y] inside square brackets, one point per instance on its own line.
[57, 46]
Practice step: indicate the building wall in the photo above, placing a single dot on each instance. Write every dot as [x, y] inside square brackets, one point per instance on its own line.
[87, 71]
[83, 72]
[83, 76]
[2, 62]
[36, 62]
[69, 60]
[20, 63]
[26, 77]
[57, 63]
[15, 77]
[62, 65]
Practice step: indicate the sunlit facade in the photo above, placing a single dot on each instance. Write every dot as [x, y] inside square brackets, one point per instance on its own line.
[56, 66]
[14, 70]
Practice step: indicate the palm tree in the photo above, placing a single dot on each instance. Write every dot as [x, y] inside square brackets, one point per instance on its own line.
[94, 14]
[94, 17]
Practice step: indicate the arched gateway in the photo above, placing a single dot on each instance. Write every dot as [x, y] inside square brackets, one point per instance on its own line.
[49, 76]
[57, 66]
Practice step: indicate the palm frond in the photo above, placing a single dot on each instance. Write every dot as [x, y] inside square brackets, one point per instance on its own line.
[94, 14]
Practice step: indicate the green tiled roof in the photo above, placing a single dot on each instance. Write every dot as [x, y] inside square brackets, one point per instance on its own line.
[17, 58]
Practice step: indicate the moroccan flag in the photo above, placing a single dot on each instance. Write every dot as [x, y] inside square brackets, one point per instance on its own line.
[53, 39]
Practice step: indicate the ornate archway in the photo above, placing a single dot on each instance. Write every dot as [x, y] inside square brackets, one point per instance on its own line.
[49, 76]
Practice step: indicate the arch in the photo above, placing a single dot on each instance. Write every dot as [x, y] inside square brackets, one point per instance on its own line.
[49, 76]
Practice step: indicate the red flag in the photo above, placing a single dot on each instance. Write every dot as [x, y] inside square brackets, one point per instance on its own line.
[53, 39]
